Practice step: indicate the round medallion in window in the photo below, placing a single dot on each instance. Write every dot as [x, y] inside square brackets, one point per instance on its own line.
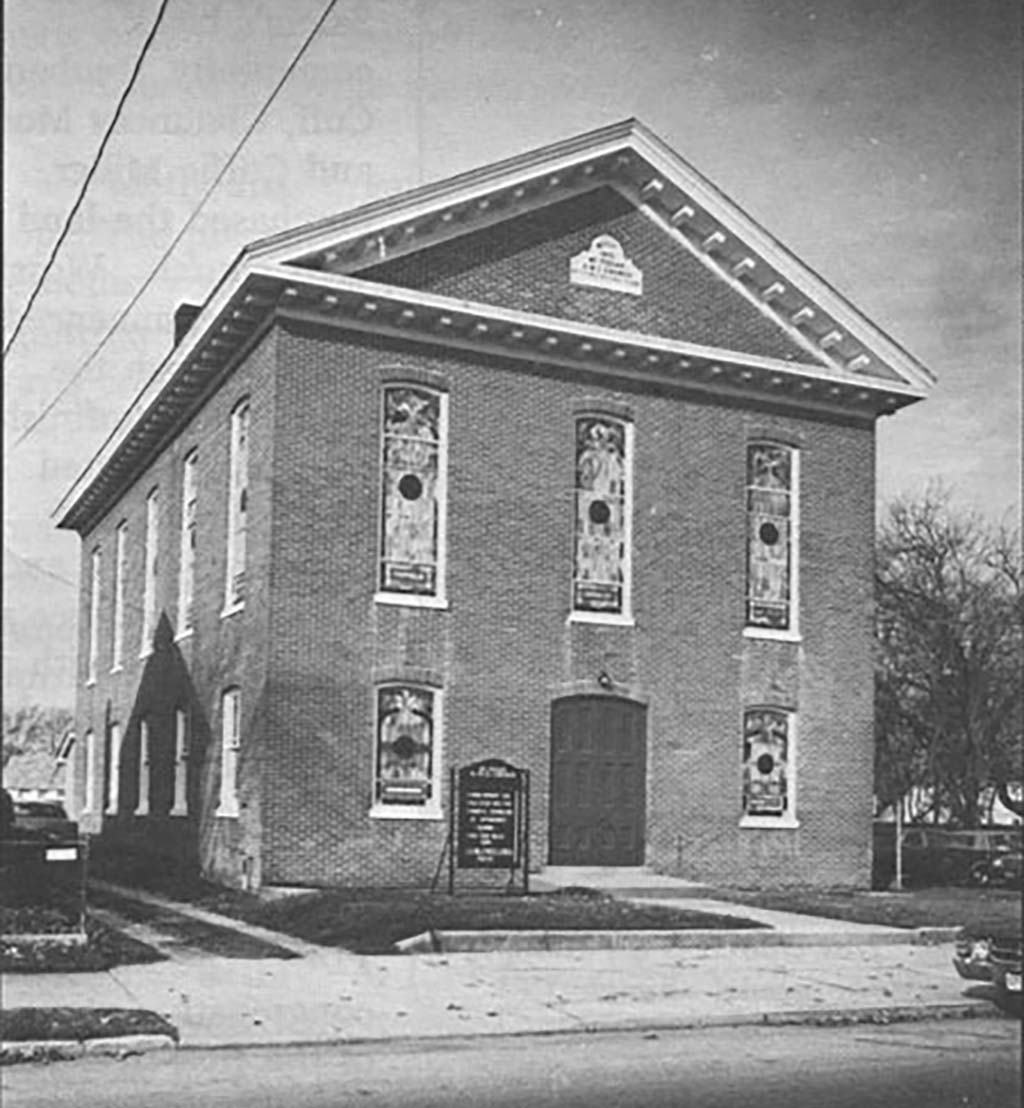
[765, 764]
[599, 512]
[768, 533]
[404, 748]
[410, 487]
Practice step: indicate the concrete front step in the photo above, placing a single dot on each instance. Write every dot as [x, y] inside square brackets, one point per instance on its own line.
[620, 880]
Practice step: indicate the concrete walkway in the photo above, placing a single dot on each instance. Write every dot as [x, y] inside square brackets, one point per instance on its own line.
[334, 996]
[330, 995]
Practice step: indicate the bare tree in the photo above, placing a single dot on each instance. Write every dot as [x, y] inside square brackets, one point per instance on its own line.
[950, 651]
[34, 728]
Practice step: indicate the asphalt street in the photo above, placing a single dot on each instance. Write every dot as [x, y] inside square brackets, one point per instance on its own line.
[974, 1063]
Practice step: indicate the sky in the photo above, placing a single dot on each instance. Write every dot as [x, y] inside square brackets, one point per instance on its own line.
[878, 139]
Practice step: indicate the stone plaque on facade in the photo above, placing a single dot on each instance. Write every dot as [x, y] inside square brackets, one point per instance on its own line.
[604, 265]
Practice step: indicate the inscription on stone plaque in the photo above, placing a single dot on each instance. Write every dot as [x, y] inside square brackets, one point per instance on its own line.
[604, 265]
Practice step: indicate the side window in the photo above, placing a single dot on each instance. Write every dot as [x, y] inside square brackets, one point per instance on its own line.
[768, 766]
[142, 803]
[603, 511]
[772, 532]
[413, 495]
[89, 803]
[114, 770]
[231, 744]
[407, 756]
[120, 556]
[238, 508]
[95, 566]
[149, 599]
[187, 561]
[179, 801]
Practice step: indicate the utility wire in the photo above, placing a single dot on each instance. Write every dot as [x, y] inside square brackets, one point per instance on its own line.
[181, 232]
[38, 567]
[97, 158]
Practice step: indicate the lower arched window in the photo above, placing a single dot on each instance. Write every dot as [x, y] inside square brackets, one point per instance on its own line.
[407, 751]
[768, 766]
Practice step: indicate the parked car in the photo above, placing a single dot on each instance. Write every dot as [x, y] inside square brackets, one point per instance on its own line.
[1005, 956]
[939, 855]
[43, 819]
[994, 955]
[1002, 871]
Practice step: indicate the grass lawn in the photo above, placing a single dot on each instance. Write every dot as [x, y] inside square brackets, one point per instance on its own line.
[19, 1025]
[103, 949]
[941, 906]
[369, 921]
[192, 933]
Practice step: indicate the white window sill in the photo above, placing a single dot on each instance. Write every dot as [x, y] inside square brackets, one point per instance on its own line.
[400, 811]
[411, 600]
[609, 619]
[144, 654]
[226, 813]
[184, 635]
[119, 668]
[232, 609]
[178, 812]
[769, 823]
[90, 682]
[772, 634]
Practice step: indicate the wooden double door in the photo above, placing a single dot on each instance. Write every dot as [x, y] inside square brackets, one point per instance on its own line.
[598, 782]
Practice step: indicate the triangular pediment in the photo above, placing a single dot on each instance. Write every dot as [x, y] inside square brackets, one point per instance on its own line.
[597, 259]
[606, 253]
[525, 234]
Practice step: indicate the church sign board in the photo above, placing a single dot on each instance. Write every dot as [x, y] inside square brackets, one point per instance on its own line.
[490, 816]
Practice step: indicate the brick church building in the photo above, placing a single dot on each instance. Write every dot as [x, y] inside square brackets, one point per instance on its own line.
[564, 461]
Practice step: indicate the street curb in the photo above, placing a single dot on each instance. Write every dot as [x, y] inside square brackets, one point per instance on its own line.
[826, 1017]
[66, 1050]
[484, 942]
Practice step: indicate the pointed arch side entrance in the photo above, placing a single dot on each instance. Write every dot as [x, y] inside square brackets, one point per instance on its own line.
[598, 781]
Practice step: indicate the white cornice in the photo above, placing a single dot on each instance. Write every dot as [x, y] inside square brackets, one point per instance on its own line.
[842, 345]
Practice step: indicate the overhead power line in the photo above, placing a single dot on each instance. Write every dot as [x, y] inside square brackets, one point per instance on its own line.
[87, 180]
[62, 392]
[37, 567]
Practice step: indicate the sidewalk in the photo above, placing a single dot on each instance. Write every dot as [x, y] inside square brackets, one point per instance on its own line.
[334, 996]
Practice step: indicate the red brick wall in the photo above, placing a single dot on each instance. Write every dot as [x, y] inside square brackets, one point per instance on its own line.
[524, 263]
[503, 650]
[311, 643]
[191, 672]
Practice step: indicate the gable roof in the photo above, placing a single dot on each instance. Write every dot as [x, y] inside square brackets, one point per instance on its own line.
[316, 270]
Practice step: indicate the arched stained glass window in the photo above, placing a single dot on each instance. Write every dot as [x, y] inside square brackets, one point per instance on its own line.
[406, 755]
[412, 495]
[601, 563]
[766, 763]
[771, 519]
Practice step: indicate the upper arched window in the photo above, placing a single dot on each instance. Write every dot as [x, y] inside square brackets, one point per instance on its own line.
[413, 495]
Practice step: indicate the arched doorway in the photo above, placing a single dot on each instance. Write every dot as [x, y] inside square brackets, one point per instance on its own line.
[598, 781]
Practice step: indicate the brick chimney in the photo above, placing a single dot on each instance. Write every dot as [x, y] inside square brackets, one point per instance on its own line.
[184, 317]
